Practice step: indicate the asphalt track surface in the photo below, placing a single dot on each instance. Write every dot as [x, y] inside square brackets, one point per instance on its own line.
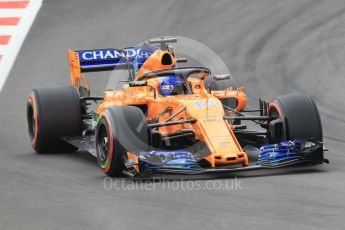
[272, 47]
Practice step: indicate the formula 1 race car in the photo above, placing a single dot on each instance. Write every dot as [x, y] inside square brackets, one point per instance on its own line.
[170, 120]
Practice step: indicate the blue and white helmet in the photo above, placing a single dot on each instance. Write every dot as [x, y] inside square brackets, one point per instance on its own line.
[172, 85]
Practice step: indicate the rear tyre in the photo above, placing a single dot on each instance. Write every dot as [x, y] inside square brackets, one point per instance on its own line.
[298, 118]
[120, 129]
[53, 113]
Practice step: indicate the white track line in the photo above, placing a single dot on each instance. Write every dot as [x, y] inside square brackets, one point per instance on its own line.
[18, 35]
[11, 12]
[8, 30]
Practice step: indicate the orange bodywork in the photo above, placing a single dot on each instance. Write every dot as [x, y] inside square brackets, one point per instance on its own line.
[75, 72]
[210, 126]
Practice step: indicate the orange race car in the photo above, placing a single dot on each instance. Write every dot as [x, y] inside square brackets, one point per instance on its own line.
[169, 120]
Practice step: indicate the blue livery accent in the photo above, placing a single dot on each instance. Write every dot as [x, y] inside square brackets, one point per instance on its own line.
[103, 58]
[103, 54]
[167, 159]
[202, 105]
[281, 152]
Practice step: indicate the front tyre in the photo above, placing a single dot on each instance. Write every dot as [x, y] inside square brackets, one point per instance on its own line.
[297, 116]
[120, 129]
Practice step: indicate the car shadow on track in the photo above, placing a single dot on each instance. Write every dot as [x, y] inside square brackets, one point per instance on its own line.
[78, 156]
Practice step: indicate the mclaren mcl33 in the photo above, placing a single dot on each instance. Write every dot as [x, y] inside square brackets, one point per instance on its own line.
[172, 120]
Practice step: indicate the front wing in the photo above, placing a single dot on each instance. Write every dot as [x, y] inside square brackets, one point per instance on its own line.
[272, 156]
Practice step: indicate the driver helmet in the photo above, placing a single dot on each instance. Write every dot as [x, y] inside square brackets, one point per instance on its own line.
[172, 85]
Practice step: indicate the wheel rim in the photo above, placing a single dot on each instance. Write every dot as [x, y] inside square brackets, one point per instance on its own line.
[103, 145]
[275, 112]
[32, 121]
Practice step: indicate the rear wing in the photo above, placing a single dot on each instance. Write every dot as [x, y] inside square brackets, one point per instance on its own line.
[81, 61]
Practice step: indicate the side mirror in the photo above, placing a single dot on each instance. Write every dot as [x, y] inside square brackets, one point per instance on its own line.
[142, 83]
[220, 77]
[181, 60]
[137, 83]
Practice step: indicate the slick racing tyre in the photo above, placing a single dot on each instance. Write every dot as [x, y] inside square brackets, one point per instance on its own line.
[53, 113]
[298, 118]
[120, 129]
